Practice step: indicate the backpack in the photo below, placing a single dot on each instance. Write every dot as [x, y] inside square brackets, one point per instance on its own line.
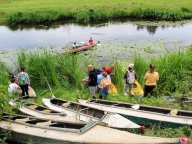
[23, 79]
[130, 77]
[105, 87]
[98, 71]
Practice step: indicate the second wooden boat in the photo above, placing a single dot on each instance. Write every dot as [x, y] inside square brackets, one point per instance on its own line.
[86, 114]
[144, 115]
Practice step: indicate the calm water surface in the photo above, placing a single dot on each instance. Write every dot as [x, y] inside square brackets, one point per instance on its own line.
[62, 34]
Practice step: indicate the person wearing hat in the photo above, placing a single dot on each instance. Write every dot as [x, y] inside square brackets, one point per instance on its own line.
[129, 77]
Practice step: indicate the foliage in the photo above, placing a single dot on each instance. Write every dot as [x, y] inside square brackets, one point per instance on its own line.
[95, 15]
[58, 70]
[38, 17]
[3, 74]
[174, 71]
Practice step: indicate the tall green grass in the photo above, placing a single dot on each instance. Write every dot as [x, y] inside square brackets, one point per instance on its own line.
[95, 15]
[3, 74]
[175, 71]
[60, 70]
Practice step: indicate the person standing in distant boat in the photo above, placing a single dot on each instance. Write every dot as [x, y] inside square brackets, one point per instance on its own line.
[151, 77]
[24, 81]
[90, 41]
[74, 45]
[92, 80]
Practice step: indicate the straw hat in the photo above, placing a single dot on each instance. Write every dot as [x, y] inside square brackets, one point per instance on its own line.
[173, 112]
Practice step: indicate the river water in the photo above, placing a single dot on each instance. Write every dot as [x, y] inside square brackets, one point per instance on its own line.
[59, 34]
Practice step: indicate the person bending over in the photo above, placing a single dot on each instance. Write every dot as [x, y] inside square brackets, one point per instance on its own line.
[104, 86]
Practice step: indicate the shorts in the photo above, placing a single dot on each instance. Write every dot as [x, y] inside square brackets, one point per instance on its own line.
[92, 90]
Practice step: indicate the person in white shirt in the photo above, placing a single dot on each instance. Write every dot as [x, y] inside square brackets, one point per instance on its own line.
[13, 87]
[74, 45]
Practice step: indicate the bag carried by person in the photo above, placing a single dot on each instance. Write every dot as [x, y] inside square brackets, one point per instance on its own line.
[130, 77]
[105, 87]
[23, 79]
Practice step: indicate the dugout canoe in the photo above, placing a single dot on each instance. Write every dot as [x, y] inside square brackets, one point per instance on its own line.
[80, 48]
[86, 114]
[24, 129]
[143, 115]
[45, 113]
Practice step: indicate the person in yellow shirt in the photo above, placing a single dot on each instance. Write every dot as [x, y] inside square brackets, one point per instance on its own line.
[150, 77]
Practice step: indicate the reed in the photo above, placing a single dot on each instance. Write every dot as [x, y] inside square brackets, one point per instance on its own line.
[91, 15]
[119, 74]
[3, 74]
[174, 70]
[37, 17]
[60, 70]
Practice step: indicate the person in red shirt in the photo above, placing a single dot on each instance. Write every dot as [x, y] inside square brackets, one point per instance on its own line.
[108, 70]
[91, 41]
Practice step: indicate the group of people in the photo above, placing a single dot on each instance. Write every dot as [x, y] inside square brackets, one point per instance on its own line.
[150, 77]
[99, 81]
[22, 82]
[75, 45]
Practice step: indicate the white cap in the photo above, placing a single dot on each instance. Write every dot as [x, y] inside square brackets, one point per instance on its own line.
[131, 65]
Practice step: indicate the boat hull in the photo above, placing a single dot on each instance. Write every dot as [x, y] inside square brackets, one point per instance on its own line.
[81, 48]
[109, 119]
[97, 134]
[144, 118]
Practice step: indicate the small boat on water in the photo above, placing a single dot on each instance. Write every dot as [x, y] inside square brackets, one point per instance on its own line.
[26, 129]
[80, 48]
[142, 114]
[86, 114]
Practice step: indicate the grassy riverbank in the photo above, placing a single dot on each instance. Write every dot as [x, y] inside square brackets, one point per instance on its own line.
[39, 11]
[64, 73]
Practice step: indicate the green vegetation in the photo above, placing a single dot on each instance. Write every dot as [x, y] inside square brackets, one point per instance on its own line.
[41, 11]
[64, 73]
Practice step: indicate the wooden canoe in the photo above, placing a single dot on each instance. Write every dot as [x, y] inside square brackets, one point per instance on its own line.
[144, 115]
[80, 48]
[29, 129]
[45, 113]
[86, 114]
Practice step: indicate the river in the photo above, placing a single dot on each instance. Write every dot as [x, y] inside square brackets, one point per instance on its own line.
[59, 34]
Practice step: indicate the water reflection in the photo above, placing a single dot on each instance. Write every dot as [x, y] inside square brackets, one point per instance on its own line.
[61, 34]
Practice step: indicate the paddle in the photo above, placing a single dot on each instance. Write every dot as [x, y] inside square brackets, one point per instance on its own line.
[97, 44]
[49, 87]
[136, 107]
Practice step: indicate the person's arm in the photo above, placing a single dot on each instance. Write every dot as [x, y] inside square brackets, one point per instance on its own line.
[145, 77]
[28, 80]
[125, 75]
[18, 87]
[157, 76]
[135, 75]
[101, 85]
